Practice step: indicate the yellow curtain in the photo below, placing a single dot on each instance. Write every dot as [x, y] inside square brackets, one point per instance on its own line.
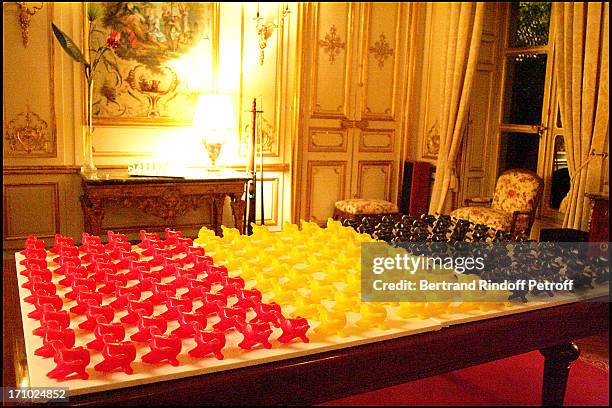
[581, 45]
[465, 30]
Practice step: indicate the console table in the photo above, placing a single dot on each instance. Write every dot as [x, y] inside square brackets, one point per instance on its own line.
[164, 197]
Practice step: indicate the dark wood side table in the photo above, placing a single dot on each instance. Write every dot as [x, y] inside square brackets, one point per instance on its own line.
[164, 197]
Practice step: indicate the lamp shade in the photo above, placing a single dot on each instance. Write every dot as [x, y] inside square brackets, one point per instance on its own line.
[214, 114]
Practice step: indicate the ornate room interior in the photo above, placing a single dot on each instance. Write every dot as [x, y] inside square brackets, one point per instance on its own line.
[241, 117]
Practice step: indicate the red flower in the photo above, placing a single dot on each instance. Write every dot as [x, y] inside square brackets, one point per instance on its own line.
[113, 40]
[109, 93]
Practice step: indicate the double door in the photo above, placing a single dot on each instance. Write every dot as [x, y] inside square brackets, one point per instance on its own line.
[352, 104]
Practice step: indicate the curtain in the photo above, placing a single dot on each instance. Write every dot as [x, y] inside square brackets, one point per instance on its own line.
[464, 32]
[581, 69]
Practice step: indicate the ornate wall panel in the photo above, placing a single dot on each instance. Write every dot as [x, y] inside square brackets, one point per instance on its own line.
[31, 209]
[432, 81]
[331, 60]
[379, 75]
[262, 81]
[330, 139]
[326, 184]
[29, 130]
[377, 140]
[271, 197]
[374, 179]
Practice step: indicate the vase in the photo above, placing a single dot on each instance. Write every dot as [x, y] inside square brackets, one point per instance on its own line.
[88, 168]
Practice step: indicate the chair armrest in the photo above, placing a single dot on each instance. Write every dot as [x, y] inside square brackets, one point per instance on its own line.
[478, 201]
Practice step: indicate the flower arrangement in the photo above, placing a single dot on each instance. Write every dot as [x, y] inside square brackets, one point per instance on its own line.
[90, 60]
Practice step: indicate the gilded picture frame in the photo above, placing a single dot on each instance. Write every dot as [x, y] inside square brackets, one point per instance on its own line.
[151, 79]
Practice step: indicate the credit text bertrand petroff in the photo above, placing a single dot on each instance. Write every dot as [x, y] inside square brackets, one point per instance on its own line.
[486, 285]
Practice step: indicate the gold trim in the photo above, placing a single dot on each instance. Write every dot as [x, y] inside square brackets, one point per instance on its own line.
[381, 50]
[298, 108]
[273, 221]
[56, 209]
[52, 126]
[25, 18]
[20, 170]
[390, 113]
[432, 141]
[386, 166]
[425, 98]
[280, 80]
[381, 149]
[341, 111]
[313, 147]
[332, 44]
[27, 136]
[241, 119]
[335, 165]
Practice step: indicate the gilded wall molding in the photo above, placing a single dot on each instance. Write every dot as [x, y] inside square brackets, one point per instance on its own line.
[432, 141]
[27, 135]
[24, 140]
[381, 50]
[332, 44]
[25, 18]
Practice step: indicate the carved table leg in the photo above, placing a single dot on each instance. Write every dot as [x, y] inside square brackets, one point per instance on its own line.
[557, 361]
[238, 206]
[93, 214]
[218, 203]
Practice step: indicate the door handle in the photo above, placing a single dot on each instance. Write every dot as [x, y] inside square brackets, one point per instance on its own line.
[541, 129]
[360, 124]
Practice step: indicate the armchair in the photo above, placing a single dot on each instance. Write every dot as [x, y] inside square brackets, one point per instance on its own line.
[512, 208]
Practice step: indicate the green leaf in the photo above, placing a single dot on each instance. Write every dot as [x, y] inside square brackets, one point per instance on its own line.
[93, 11]
[69, 46]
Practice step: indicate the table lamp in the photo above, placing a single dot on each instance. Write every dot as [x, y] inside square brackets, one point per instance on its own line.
[214, 117]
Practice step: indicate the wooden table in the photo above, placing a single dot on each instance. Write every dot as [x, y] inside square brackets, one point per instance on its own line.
[325, 376]
[164, 197]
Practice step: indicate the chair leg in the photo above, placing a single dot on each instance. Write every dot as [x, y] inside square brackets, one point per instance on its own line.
[336, 214]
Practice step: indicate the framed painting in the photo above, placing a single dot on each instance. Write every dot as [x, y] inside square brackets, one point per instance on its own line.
[168, 53]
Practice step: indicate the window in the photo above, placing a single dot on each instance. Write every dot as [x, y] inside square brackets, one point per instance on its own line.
[530, 131]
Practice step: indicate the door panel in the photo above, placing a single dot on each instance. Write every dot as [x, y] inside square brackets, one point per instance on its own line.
[379, 51]
[327, 139]
[377, 141]
[331, 62]
[374, 179]
[326, 181]
[352, 84]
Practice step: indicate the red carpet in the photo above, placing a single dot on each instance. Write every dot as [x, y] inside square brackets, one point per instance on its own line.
[511, 381]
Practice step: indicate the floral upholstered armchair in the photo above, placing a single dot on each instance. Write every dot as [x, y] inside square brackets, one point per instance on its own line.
[513, 206]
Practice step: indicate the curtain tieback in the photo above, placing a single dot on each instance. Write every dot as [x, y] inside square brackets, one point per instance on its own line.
[592, 155]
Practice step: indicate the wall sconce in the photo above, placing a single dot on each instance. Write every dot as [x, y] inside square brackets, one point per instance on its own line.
[265, 31]
[214, 117]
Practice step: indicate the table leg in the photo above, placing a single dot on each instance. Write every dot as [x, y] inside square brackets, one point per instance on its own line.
[93, 214]
[218, 203]
[557, 361]
[238, 205]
